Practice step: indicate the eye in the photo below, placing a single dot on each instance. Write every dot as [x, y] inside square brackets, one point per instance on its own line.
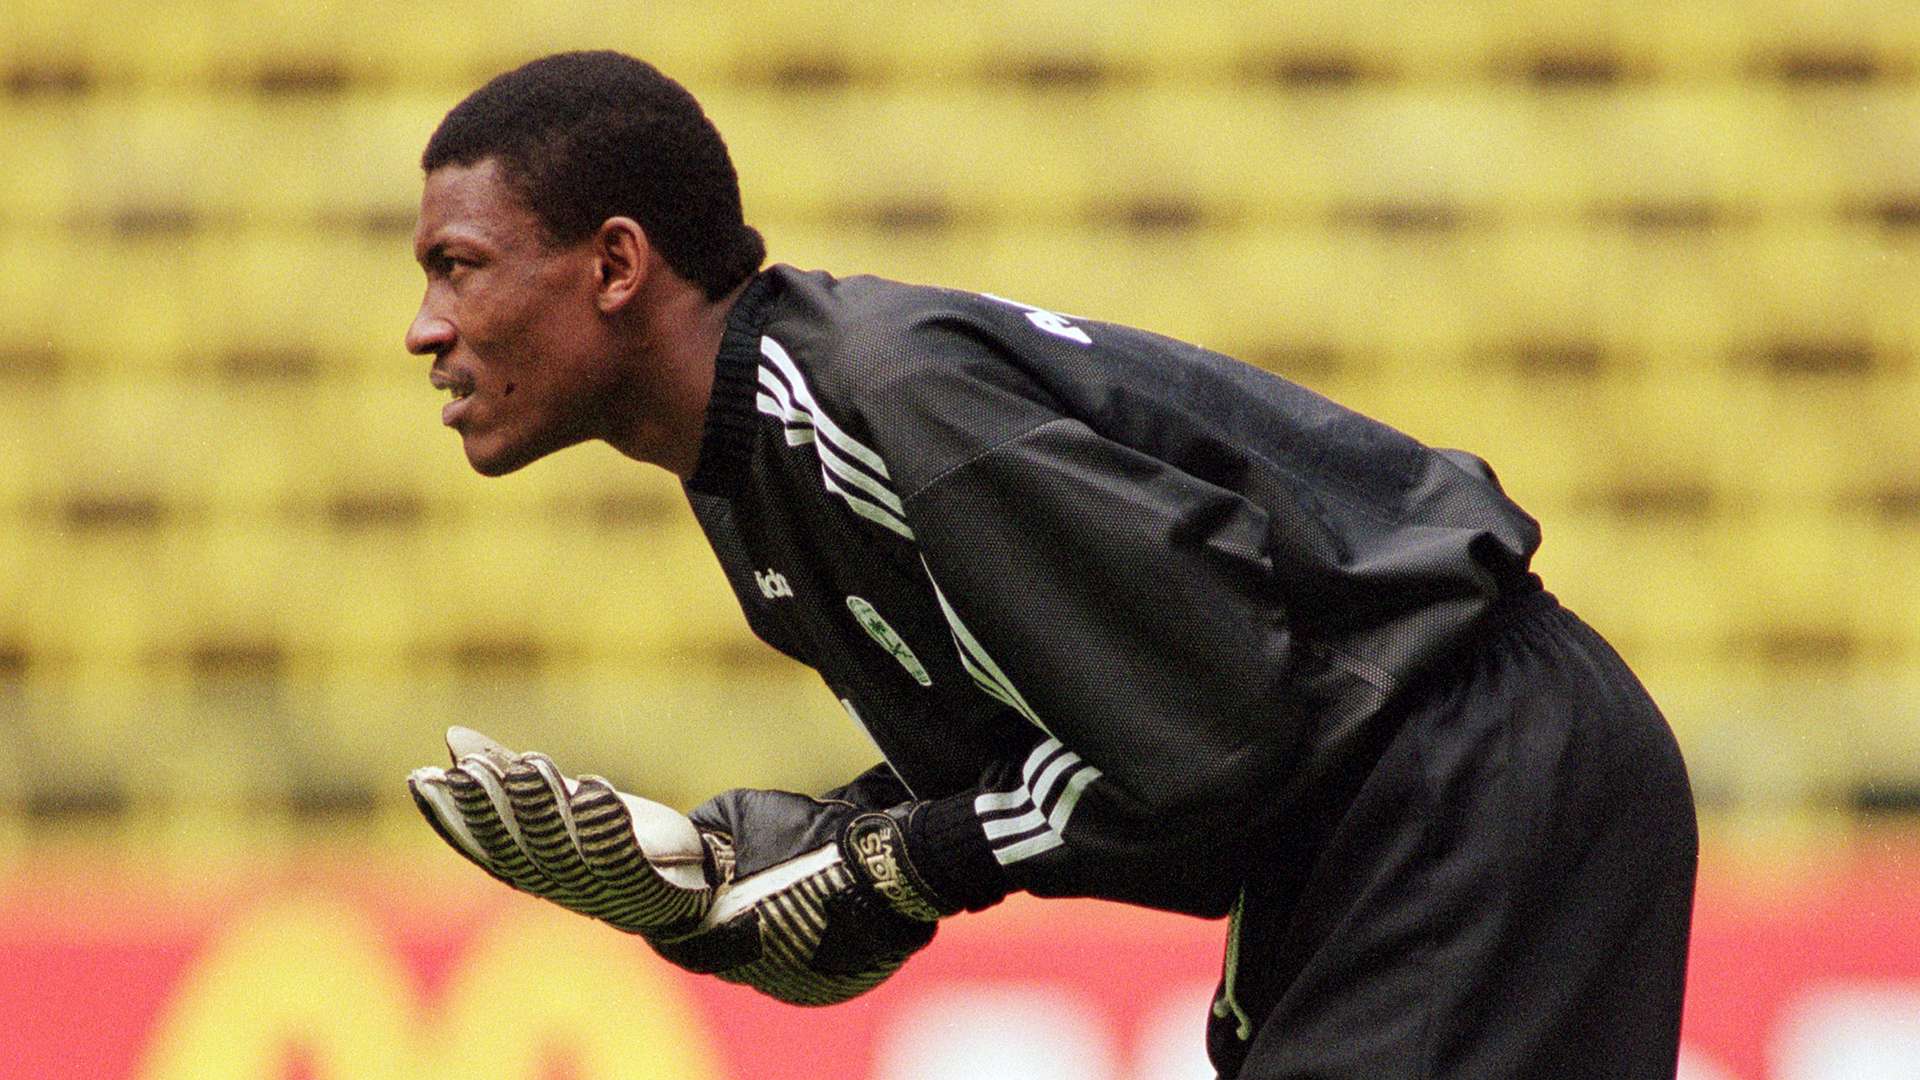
[441, 265]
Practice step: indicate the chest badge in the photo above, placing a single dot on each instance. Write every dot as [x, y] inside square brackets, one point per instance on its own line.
[877, 629]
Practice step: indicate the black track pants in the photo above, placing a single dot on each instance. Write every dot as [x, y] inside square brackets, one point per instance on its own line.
[1503, 891]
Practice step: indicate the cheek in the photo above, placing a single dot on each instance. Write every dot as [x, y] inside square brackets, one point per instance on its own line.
[509, 353]
[532, 342]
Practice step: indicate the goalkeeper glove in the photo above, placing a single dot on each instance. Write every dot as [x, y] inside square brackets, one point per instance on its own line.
[806, 900]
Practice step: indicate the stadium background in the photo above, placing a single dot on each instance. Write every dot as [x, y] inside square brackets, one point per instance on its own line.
[1660, 263]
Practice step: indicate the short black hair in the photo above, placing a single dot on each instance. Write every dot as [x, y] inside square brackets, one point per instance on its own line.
[586, 136]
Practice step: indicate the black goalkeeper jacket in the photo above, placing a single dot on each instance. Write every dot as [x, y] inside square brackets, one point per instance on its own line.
[1105, 600]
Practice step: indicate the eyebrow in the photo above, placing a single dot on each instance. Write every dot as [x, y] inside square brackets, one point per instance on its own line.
[433, 254]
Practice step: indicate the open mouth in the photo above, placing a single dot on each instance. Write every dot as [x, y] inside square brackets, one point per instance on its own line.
[459, 385]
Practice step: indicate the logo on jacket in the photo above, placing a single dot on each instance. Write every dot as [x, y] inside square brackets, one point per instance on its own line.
[877, 629]
[773, 584]
[1052, 322]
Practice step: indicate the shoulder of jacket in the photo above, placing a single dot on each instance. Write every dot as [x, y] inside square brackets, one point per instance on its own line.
[925, 377]
[865, 329]
[858, 342]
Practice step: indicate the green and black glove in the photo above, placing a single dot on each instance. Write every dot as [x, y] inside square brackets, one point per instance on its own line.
[810, 901]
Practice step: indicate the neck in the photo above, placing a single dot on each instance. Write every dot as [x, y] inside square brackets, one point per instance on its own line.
[671, 378]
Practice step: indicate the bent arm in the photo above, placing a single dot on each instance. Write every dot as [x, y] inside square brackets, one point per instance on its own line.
[1127, 611]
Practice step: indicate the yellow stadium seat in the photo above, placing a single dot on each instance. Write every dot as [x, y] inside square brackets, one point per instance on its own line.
[1821, 42]
[818, 47]
[379, 436]
[370, 161]
[55, 137]
[645, 590]
[348, 161]
[1228, 152]
[114, 41]
[370, 604]
[341, 299]
[451, 48]
[1885, 550]
[29, 428]
[1796, 591]
[159, 165]
[962, 153]
[256, 580]
[195, 447]
[116, 439]
[1673, 427]
[1816, 284]
[1880, 447]
[20, 540]
[141, 329]
[1656, 152]
[95, 596]
[438, 43]
[251, 451]
[1655, 588]
[240, 46]
[166, 165]
[144, 162]
[681, 732]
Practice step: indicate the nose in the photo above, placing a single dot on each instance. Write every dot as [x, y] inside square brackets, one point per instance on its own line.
[430, 334]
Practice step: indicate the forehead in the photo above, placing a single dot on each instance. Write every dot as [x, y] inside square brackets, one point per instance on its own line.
[473, 203]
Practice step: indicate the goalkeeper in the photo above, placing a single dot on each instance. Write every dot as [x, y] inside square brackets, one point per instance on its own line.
[1126, 619]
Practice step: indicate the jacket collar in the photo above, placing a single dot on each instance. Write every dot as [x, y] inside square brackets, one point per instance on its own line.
[726, 440]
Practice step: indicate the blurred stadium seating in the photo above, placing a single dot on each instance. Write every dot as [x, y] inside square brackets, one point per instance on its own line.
[1659, 263]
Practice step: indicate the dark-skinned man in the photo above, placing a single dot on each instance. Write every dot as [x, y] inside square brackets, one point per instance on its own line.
[1126, 618]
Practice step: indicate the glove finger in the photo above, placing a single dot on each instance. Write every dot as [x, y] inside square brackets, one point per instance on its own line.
[545, 818]
[429, 788]
[783, 981]
[643, 898]
[482, 801]
[793, 919]
[489, 777]
[463, 742]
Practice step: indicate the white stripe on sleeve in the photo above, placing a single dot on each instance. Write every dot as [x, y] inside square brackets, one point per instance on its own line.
[1035, 829]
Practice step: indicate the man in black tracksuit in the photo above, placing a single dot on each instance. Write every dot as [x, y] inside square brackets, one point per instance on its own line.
[1133, 620]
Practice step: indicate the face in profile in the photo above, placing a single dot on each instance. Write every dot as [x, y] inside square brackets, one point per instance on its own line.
[510, 320]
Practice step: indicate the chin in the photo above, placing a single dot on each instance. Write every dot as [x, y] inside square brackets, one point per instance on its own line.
[501, 458]
[497, 461]
[495, 468]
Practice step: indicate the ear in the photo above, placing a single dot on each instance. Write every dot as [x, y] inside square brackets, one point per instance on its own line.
[621, 257]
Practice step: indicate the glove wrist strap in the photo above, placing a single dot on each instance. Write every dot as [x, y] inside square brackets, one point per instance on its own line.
[952, 853]
[875, 845]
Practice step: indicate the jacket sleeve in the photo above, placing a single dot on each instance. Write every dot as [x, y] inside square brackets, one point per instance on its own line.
[876, 789]
[1128, 611]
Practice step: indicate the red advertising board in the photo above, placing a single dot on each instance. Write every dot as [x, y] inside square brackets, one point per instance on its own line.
[377, 966]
